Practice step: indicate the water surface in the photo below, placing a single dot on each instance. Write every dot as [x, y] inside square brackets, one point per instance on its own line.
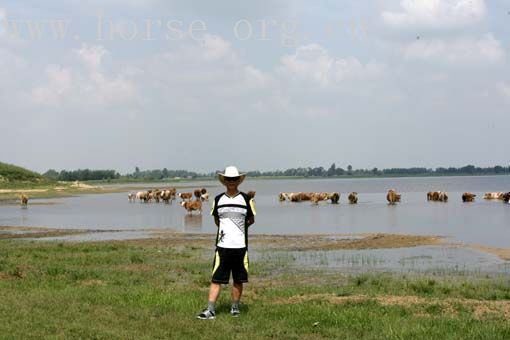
[481, 222]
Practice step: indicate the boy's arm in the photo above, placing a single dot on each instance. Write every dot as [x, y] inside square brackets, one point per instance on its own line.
[250, 220]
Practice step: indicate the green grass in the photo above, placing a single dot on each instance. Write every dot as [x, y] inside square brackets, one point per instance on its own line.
[10, 174]
[153, 289]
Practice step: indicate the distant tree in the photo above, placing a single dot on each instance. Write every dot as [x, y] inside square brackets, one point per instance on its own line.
[349, 169]
[332, 170]
[51, 174]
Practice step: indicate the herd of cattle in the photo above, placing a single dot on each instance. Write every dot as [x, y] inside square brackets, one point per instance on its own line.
[192, 201]
[392, 196]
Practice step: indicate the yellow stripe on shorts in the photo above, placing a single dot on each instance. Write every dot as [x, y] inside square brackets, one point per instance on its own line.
[216, 262]
[246, 262]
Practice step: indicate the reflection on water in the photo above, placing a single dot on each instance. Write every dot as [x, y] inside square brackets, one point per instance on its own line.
[481, 222]
[192, 223]
[422, 259]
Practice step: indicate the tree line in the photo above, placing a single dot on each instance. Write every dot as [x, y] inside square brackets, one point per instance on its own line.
[81, 175]
[332, 171]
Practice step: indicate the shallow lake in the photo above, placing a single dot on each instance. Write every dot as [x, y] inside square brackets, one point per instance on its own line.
[481, 222]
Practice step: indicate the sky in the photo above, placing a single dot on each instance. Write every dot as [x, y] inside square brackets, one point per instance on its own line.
[265, 85]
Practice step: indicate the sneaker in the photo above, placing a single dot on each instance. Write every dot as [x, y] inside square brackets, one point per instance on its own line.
[206, 314]
[234, 311]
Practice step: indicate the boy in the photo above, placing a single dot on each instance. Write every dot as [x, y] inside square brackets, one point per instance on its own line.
[233, 213]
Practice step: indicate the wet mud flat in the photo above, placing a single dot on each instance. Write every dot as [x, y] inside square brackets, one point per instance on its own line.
[350, 253]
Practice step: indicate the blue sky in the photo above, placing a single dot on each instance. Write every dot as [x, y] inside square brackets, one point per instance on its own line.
[372, 84]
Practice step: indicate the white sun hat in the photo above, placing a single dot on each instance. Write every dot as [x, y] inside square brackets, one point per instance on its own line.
[231, 171]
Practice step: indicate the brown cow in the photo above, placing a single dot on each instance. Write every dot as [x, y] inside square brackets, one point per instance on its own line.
[506, 197]
[251, 194]
[23, 199]
[294, 196]
[282, 196]
[157, 195]
[334, 197]
[203, 191]
[316, 197]
[468, 197]
[305, 196]
[392, 196]
[186, 195]
[204, 197]
[143, 196]
[443, 196]
[440, 196]
[132, 197]
[192, 205]
[353, 197]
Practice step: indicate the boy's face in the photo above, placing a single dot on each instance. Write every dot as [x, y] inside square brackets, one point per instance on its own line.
[232, 183]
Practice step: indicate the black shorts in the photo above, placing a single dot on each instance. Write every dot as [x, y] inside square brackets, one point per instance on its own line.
[228, 260]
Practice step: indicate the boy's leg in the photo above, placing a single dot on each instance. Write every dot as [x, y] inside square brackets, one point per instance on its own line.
[214, 292]
[237, 291]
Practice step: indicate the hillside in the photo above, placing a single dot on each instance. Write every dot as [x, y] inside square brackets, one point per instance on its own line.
[14, 174]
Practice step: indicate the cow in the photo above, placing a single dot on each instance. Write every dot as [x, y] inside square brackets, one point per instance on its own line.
[168, 195]
[143, 196]
[282, 197]
[468, 197]
[493, 195]
[132, 197]
[299, 196]
[192, 205]
[440, 196]
[392, 196]
[150, 196]
[305, 196]
[197, 193]
[204, 197]
[251, 194]
[316, 197]
[443, 196]
[353, 197]
[23, 199]
[506, 197]
[334, 197]
[203, 191]
[294, 196]
[157, 195]
[185, 196]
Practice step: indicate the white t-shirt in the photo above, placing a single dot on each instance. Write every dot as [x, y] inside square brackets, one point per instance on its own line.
[232, 213]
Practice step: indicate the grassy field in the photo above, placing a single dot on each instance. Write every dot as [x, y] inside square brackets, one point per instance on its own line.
[152, 289]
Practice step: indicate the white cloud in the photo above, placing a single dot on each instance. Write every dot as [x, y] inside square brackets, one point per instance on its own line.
[313, 62]
[59, 81]
[76, 88]
[215, 47]
[436, 13]
[484, 49]
[91, 55]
